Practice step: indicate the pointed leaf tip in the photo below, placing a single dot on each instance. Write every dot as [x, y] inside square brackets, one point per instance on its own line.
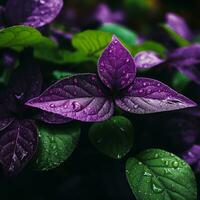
[116, 66]
[150, 96]
[81, 97]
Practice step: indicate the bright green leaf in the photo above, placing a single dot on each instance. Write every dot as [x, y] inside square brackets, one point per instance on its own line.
[126, 35]
[176, 37]
[149, 46]
[155, 174]
[19, 37]
[113, 137]
[56, 144]
[91, 42]
[56, 55]
[61, 74]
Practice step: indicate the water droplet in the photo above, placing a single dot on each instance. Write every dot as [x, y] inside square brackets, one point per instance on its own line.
[175, 164]
[76, 106]
[127, 60]
[147, 174]
[136, 106]
[122, 129]
[166, 162]
[93, 78]
[52, 105]
[156, 188]
[110, 51]
[115, 41]
[156, 155]
[139, 163]
[144, 84]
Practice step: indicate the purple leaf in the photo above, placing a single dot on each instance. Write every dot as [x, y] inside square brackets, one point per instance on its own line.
[18, 144]
[149, 96]
[5, 117]
[147, 59]
[79, 97]
[25, 84]
[35, 13]
[2, 12]
[179, 25]
[192, 156]
[116, 67]
[52, 118]
[187, 60]
[105, 15]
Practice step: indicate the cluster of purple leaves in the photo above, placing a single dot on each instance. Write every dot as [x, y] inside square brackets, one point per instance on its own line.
[84, 97]
[19, 134]
[90, 98]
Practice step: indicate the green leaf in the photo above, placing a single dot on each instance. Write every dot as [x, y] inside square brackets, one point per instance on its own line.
[180, 81]
[56, 55]
[61, 74]
[126, 35]
[91, 42]
[176, 37]
[113, 137]
[157, 174]
[149, 46]
[56, 144]
[19, 37]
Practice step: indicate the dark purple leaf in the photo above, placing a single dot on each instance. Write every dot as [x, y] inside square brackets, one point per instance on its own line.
[147, 59]
[105, 15]
[116, 67]
[2, 12]
[187, 61]
[179, 25]
[34, 13]
[52, 118]
[5, 117]
[18, 143]
[25, 84]
[79, 97]
[149, 96]
[192, 156]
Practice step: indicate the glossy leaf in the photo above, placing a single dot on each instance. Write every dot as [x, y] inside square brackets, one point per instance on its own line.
[157, 174]
[113, 137]
[56, 144]
[176, 37]
[126, 35]
[79, 97]
[91, 42]
[18, 143]
[116, 66]
[147, 59]
[149, 96]
[35, 13]
[19, 36]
